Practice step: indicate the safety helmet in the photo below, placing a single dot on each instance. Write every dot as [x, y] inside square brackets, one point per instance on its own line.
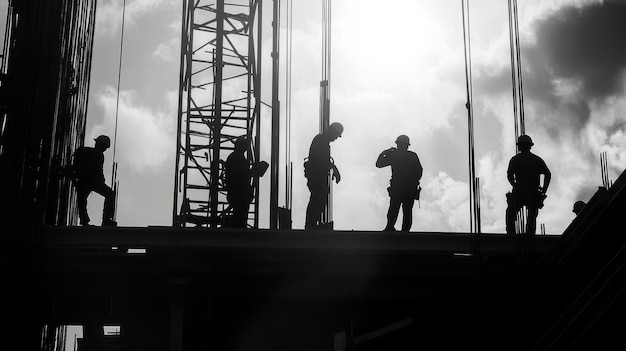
[402, 139]
[104, 140]
[578, 206]
[337, 127]
[241, 140]
[524, 139]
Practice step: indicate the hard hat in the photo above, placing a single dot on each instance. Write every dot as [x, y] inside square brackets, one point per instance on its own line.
[104, 140]
[337, 127]
[402, 139]
[578, 206]
[241, 140]
[524, 139]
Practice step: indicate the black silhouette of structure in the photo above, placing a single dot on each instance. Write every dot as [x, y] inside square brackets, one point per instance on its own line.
[219, 100]
[195, 288]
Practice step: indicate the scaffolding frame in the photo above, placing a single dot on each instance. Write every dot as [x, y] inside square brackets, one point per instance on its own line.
[47, 53]
[219, 100]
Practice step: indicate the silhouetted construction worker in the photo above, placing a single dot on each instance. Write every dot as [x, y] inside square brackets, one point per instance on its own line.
[88, 175]
[404, 189]
[317, 169]
[578, 206]
[238, 181]
[524, 174]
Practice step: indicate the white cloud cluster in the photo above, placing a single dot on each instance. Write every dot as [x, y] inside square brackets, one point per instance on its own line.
[145, 138]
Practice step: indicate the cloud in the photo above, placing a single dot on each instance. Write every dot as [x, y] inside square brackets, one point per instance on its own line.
[164, 51]
[403, 76]
[586, 44]
[444, 205]
[145, 137]
[110, 13]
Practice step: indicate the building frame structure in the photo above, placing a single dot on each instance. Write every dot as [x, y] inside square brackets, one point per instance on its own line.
[219, 101]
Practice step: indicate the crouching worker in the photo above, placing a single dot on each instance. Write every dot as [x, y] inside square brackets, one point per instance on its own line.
[88, 175]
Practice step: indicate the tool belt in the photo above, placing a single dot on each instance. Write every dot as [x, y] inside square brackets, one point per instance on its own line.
[523, 198]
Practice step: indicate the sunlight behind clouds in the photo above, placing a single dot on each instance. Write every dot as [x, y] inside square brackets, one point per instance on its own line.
[397, 68]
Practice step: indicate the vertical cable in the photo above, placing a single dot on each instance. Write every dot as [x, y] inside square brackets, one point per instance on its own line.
[288, 102]
[474, 225]
[518, 99]
[119, 79]
[520, 90]
[325, 94]
[513, 72]
[275, 159]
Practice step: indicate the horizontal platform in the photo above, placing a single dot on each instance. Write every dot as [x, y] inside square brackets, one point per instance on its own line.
[332, 240]
[298, 272]
[286, 263]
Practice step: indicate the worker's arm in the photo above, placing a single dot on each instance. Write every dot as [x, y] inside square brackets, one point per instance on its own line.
[336, 175]
[420, 169]
[384, 158]
[547, 177]
[510, 175]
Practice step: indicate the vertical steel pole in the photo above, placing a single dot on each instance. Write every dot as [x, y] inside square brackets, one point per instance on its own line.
[275, 119]
[217, 117]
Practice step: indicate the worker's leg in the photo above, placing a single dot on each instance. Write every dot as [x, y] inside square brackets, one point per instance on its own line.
[240, 214]
[319, 194]
[531, 224]
[109, 203]
[407, 214]
[511, 212]
[392, 213]
[82, 193]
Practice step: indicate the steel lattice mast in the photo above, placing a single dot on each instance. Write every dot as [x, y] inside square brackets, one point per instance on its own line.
[219, 100]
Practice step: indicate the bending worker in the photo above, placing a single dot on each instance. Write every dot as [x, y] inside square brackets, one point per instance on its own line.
[317, 169]
[404, 189]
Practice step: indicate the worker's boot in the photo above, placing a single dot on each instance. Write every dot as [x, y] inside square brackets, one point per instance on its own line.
[109, 223]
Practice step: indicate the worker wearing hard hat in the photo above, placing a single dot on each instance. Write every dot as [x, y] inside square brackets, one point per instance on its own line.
[317, 167]
[578, 206]
[88, 175]
[238, 182]
[524, 174]
[404, 189]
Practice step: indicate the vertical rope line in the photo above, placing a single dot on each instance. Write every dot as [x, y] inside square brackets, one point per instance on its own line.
[329, 28]
[470, 116]
[475, 213]
[288, 102]
[119, 79]
[520, 91]
[513, 71]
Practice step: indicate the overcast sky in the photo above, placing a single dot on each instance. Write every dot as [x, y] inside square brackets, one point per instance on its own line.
[397, 68]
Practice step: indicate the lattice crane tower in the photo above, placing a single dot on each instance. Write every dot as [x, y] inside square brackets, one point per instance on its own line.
[219, 100]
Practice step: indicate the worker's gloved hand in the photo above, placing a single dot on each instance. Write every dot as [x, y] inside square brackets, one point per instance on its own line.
[336, 175]
[389, 151]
